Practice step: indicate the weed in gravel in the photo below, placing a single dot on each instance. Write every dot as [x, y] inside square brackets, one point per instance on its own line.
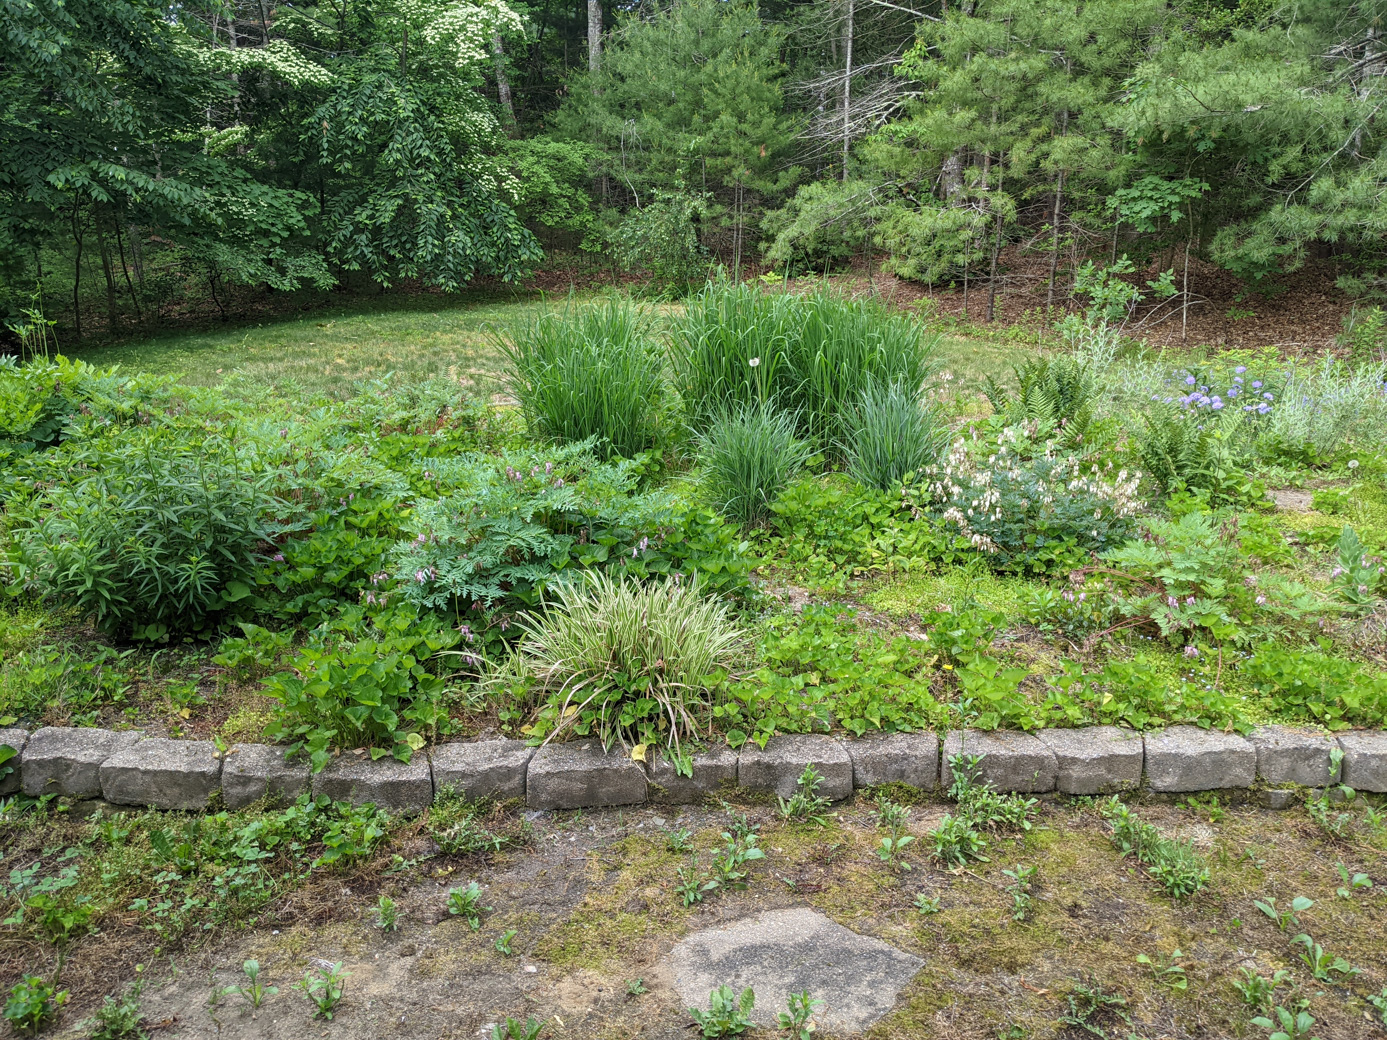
[387, 915]
[467, 904]
[728, 1014]
[324, 990]
[253, 990]
[1175, 864]
[1282, 1024]
[797, 1021]
[894, 817]
[514, 1029]
[1257, 990]
[806, 803]
[1284, 917]
[33, 1004]
[1168, 971]
[1326, 967]
[1021, 890]
[503, 943]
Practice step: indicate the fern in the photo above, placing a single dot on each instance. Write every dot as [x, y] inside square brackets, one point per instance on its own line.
[1055, 393]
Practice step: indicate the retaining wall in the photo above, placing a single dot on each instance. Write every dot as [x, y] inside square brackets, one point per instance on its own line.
[126, 768]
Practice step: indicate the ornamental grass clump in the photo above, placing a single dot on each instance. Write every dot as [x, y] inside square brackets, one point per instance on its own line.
[892, 436]
[749, 454]
[627, 662]
[812, 355]
[591, 371]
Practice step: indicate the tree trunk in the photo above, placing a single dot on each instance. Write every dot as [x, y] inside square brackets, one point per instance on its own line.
[847, 88]
[498, 53]
[77, 268]
[953, 178]
[112, 311]
[594, 35]
[134, 299]
[1055, 223]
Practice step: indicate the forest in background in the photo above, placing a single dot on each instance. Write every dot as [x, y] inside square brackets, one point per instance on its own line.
[158, 159]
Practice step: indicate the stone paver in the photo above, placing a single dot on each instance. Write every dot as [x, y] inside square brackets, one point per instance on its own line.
[906, 758]
[482, 769]
[780, 952]
[778, 766]
[712, 770]
[67, 760]
[1186, 758]
[255, 771]
[1288, 755]
[1011, 761]
[1095, 760]
[387, 783]
[1365, 760]
[13, 738]
[167, 774]
[580, 774]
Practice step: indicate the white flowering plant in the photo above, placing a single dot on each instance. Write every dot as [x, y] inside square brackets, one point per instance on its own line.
[1028, 511]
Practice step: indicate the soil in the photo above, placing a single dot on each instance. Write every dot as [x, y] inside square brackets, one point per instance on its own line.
[592, 899]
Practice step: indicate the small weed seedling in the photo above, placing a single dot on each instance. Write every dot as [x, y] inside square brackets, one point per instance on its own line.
[1257, 990]
[635, 987]
[503, 943]
[1380, 1002]
[1286, 1025]
[514, 1029]
[806, 803]
[680, 840]
[1356, 883]
[1324, 966]
[1336, 825]
[33, 1004]
[1168, 971]
[1175, 864]
[798, 1021]
[253, 990]
[119, 1018]
[728, 1014]
[894, 817]
[1087, 1003]
[1020, 890]
[467, 904]
[1284, 918]
[926, 905]
[957, 842]
[387, 915]
[324, 990]
[1204, 805]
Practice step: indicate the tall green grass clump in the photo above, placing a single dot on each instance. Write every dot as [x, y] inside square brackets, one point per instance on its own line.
[625, 661]
[749, 453]
[812, 355]
[589, 371]
[891, 434]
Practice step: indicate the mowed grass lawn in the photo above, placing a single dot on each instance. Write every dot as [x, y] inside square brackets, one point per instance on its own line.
[414, 338]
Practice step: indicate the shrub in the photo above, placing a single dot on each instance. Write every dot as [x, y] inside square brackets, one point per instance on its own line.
[591, 371]
[661, 239]
[519, 522]
[364, 688]
[1036, 514]
[150, 539]
[628, 662]
[749, 454]
[814, 354]
[892, 436]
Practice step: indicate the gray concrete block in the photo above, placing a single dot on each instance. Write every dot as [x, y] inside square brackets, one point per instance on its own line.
[1186, 758]
[67, 761]
[1011, 761]
[255, 771]
[1095, 759]
[778, 767]
[712, 770]
[1288, 755]
[387, 783]
[483, 769]
[1365, 760]
[1279, 799]
[905, 758]
[167, 774]
[15, 738]
[580, 774]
